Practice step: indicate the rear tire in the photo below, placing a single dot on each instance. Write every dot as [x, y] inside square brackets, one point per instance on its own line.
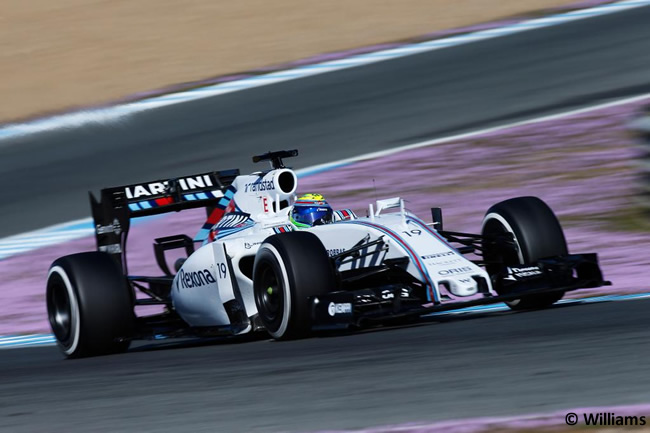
[290, 269]
[89, 305]
[538, 235]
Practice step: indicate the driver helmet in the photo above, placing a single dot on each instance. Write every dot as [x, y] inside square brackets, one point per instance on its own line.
[311, 210]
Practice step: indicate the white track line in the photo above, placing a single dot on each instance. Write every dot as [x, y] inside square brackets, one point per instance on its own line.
[52, 235]
[25, 242]
[341, 162]
[116, 113]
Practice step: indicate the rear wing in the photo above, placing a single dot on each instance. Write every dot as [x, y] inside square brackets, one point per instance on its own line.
[118, 205]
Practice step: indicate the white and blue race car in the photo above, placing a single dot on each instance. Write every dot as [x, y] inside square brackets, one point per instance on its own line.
[255, 267]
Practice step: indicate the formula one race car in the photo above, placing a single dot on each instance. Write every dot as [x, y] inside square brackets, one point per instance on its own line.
[260, 269]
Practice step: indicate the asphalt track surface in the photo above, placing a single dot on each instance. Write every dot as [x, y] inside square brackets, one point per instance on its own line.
[46, 177]
[504, 364]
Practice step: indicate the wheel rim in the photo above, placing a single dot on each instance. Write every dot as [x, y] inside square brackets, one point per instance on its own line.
[513, 257]
[60, 311]
[270, 298]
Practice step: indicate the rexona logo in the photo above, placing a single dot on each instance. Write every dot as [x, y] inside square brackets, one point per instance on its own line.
[260, 185]
[157, 188]
[455, 271]
[187, 280]
[333, 308]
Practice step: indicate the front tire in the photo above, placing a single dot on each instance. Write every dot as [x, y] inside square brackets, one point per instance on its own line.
[537, 234]
[289, 270]
[89, 305]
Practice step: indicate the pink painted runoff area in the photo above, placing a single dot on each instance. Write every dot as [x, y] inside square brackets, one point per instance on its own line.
[582, 165]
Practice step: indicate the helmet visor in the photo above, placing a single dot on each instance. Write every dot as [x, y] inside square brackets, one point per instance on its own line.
[312, 216]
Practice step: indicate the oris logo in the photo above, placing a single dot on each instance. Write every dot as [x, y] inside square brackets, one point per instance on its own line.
[455, 271]
[188, 280]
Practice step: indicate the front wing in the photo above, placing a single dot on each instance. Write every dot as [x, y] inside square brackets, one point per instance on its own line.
[366, 306]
